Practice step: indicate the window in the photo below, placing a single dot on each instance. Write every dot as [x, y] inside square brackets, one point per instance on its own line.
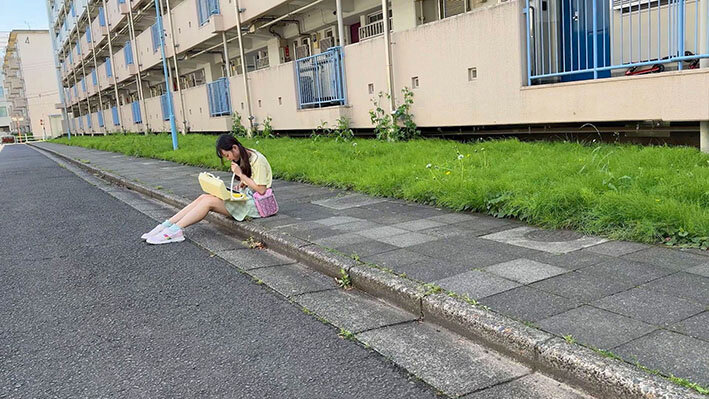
[205, 9]
[3, 112]
[2, 92]
[193, 79]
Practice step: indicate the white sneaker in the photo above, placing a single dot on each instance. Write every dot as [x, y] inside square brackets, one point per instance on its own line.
[159, 228]
[166, 237]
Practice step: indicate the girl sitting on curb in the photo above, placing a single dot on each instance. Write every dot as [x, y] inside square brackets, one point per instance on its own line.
[249, 166]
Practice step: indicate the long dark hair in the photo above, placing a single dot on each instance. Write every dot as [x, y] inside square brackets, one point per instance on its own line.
[227, 142]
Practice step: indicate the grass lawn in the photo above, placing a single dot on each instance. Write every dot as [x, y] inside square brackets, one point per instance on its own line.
[647, 194]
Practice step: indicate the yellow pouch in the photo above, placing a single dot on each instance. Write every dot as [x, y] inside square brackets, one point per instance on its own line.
[215, 186]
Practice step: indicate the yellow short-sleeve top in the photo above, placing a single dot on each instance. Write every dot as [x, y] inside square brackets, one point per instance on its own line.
[260, 169]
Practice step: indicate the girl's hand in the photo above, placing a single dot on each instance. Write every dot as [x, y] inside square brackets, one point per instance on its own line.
[236, 169]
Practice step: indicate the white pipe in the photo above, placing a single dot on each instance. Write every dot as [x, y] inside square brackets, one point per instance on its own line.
[341, 36]
[177, 71]
[387, 50]
[243, 67]
[113, 67]
[136, 59]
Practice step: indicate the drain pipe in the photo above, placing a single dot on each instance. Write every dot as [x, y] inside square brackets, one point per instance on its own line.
[387, 50]
[341, 38]
[93, 54]
[243, 66]
[174, 60]
[227, 65]
[113, 67]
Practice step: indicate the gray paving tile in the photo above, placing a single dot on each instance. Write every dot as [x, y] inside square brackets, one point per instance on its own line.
[476, 284]
[519, 237]
[348, 201]
[407, 239]
[340, 240]
[419, 224]
[617, 248]
[366, 248]
[683, 285]
[395, 259]
[451, 218]
[596, 327]
[295, 279]
[667, 257]
[525, 271]
[483, 225]
[334, 220]
[445, 360]
[431, 269]
[352, 310]
[472, 251]
[649, 306]
[211, 239]
[353, 227]
[381, 232]
[626, 270]
[528, 304]
[446, 231]
[570, 261]
[537, 386]
[671, 353]
[702, 270]
[696, 326]
[582, 287]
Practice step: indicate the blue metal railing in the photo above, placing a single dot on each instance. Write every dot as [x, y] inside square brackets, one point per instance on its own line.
[155, 35]
[114, 115]
[81, 122]
[88, 35]
[94, 79]
[319, 79]
[71, 58]
[78, 48]
[88, 121]
[135, 108]
[83, 85]
[128, 53]
[205, 9]
[219, 97]
[99, 116]
[109, 70]
[165, 106]
[570, 40]
[101, 17]
[76, 91]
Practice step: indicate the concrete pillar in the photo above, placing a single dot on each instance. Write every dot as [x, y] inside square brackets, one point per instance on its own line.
[704, 63]
[704, 136]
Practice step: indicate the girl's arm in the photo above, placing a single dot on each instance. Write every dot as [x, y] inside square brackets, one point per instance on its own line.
[261, 189]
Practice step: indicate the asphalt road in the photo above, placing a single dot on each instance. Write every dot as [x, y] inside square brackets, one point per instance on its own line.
[88, 310]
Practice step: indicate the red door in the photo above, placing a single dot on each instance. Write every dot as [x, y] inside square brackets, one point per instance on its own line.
[354, 32]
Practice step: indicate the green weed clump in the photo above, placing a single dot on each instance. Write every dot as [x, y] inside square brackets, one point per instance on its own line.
[628, 192]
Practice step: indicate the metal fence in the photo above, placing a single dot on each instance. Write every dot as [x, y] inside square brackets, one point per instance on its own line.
[88, 121]
[101, 17]
[135, 109]
[205, 9]
[99, 116]
[94, 78]
[319, 79]
[569, 40]
[109, 70]
[165, 106]
[114, 116]
[219, 97]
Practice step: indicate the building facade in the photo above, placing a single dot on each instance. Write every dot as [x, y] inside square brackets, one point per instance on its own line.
[474, 64]
[30, 84]
[5, 121]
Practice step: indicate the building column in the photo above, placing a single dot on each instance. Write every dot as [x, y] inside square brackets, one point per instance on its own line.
[388, 57]
[136, 59]
[174, 60]
[704, 63]
[244, 71]
[113, 67]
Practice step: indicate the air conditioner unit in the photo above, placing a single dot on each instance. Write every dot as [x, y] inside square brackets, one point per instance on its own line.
[327, 43]
[302, 51]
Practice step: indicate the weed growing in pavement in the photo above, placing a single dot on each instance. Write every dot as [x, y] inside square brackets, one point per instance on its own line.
[431, 289]
[607, 354]
[570, 339]
[346, 334]
[344, 281]
[463, 297]
[354, 257]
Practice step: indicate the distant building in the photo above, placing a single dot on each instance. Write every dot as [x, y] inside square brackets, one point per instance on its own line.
[5, 121]
[30, 84]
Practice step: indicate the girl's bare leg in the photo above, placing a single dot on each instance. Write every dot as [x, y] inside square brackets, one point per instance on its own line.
[179, 215]
[201, 208]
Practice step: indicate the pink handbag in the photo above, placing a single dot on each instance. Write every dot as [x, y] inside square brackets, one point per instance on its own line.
[266, 204]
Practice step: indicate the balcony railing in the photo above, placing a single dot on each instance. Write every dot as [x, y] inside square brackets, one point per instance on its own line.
[155, 36]
[319, 79]
[205, 9]
[262, 63]
[219, 97]
[114, 115]
[569, 40]
[99, 115]
[371, 30]
[164, 106]
[128, 53]
[135, 109]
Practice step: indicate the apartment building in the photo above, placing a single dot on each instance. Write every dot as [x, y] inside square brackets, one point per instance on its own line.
[30, 84]
[5, 121]
[475, 64]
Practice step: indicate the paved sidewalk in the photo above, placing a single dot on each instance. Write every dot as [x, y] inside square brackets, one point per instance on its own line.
[647, 304]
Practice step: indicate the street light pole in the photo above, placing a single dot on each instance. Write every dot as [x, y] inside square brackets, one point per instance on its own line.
[173, 127]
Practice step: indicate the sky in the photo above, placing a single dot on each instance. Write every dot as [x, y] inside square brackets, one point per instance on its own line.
[17, 14]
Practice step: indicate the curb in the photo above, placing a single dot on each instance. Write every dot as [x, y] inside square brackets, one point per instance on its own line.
[574, 364]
